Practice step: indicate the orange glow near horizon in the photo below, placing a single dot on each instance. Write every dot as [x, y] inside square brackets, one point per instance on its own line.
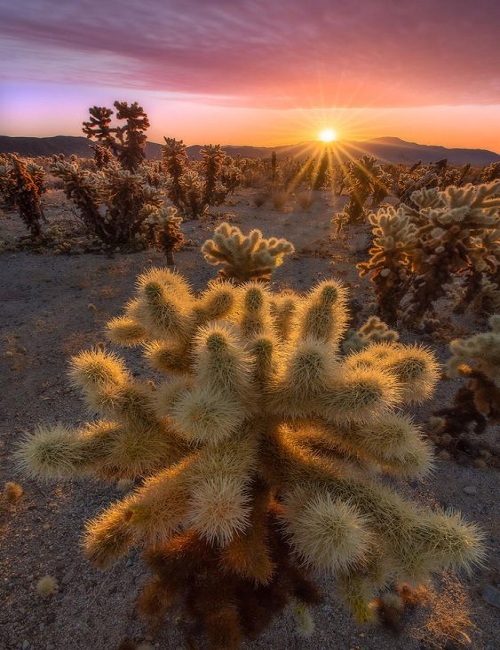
[43, 110]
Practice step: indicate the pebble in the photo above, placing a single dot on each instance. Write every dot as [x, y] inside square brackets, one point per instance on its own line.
[492, 596]
[470, 489]
[26, 644]
[68, 577]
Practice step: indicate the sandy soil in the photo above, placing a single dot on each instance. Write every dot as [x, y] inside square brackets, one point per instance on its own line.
[55, 305]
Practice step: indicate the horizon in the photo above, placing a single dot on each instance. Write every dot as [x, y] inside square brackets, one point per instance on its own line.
[336, 142]
[270, 74]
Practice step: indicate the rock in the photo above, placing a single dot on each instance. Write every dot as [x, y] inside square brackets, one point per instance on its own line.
[68, 577]
[492, 596]
[470, 489]
[26, 644]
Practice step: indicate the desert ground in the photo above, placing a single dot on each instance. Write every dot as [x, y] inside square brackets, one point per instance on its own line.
[53, 306]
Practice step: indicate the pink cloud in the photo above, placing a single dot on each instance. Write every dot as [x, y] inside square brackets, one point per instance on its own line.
[285, 53]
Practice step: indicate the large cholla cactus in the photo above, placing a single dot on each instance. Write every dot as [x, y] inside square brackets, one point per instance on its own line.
[245, 257]
[260, 452]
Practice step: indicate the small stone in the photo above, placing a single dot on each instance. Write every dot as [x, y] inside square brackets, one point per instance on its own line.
[470, 489]
[68, 577]
[26, 644]
[492, 596]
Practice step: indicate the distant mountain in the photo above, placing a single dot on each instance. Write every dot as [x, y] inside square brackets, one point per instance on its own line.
[387, 149]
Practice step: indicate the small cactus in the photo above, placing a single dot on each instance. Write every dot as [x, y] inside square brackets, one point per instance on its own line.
[245, 258]
[47, 586]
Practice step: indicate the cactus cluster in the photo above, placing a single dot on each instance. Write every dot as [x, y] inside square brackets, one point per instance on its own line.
[194, 188]
[261, 453]
[112, 202]
[450, 236]
[363, 178]
[245, 257]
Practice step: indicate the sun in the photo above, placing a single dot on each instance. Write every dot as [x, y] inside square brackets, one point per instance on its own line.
[327, 135]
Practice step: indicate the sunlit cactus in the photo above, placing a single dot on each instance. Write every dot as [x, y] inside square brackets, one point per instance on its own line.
[113, 203]
[245, 257]
[420, 250]
[22, 184]
[260, 450]
[476, 359]
[373, 330]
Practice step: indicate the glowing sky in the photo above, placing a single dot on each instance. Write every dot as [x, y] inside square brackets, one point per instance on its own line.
[262, 72]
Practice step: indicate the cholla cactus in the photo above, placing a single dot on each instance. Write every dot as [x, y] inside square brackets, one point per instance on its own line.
[22, 184]
[476, 359]
[452, 227]
[393, 233]
[127, 142]
[260, 452]
[421, 250]
[193, 189]
[373, 331]
[243, 257]
[363, 177]
[111, 202]
[491, 173]
[162, 229]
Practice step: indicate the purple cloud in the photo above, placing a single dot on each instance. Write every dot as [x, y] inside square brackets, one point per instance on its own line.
[284, 53]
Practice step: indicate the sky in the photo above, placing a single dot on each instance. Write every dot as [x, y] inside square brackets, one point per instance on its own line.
[256, 72]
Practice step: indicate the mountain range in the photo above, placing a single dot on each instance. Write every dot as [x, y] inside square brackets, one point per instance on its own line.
[387, 149]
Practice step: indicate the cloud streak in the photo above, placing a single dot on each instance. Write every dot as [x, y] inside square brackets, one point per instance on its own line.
[255, 53]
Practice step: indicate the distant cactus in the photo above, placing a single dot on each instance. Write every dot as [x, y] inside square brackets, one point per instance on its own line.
[260, 452]
[126, 142]
[162, 228]
[194, 188]
[112, 202]
[393, 233]
[245, 257]
[363, 177]
[373, 331]
[22, 184]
